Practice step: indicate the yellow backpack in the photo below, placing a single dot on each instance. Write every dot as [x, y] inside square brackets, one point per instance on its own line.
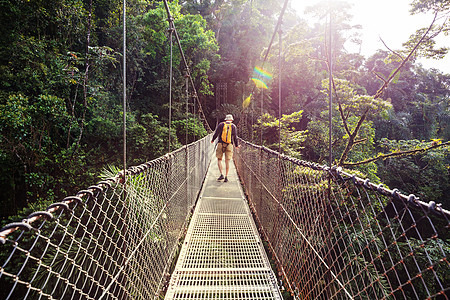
[226, 133]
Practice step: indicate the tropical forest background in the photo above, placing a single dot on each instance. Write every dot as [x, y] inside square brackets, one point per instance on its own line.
[61, 92]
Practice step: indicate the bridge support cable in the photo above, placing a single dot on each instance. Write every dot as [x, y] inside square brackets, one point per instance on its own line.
[170, 30]
[330, 145]
[104, 243]
[280, 65]
[124, 86]
[345, 238]
[330, 86]
[186, 76]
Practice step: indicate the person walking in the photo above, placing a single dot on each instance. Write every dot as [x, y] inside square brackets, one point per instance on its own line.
[226, 132]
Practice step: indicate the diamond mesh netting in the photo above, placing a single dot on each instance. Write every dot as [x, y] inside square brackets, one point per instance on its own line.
[222, 256]
[337, 236]
[110, 241]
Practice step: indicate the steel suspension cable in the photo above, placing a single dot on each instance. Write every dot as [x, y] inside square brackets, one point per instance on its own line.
[280, 32]
[171, 28]
[280, 19]
[183, 58]
[187, 104]
[330, 79]
[124, 89]
[276, 29]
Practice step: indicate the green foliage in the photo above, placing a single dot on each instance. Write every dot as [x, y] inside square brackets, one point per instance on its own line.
[60, 107]
[426, 175]
[148, 139]
[353, 130]
[33, 138]
[441, 9]
[198, 43]
[192, 128]
[291, 139]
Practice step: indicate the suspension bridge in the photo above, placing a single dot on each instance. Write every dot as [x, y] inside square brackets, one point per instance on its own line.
[281, 228]
[328, 235]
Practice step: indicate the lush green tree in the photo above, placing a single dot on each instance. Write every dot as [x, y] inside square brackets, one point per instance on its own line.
[152, 58]
[189, 130]
[289, 141]
[426, 174]
[37, 163]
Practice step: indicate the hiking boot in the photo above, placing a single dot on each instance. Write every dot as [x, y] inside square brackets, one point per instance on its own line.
[226, 179]
[221, 177]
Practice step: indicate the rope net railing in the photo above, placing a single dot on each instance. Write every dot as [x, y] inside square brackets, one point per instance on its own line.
[337, 236]
[114, 240]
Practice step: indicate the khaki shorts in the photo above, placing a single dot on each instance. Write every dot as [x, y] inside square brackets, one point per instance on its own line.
[224, 148]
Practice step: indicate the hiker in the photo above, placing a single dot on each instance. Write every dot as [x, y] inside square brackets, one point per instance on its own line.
[227, 134]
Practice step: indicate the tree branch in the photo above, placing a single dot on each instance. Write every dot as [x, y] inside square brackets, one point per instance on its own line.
[351, 138]
[397, 54]
[359, 141]
[392, 76]
[378, 76]
[344, 119]
[394, 154]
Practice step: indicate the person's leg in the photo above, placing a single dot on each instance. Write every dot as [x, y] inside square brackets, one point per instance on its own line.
[219, 155]
[228, 157]
[219, 162]
[227, 167]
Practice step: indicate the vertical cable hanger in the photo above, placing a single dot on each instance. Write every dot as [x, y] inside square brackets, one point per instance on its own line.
[330, 79]
[262, 107]
[124, 90]
[280, 33]
[330, 135]
[186, 76]
[170, 30]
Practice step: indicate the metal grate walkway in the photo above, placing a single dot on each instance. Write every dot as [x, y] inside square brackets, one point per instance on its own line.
[222, 256]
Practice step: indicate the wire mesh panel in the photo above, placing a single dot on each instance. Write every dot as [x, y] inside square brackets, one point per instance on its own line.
[337, 236]
[222, 256]
[114, 240]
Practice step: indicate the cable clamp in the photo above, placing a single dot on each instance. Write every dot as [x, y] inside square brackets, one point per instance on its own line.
[395, 194]
[412, 200]
[432, 206]
[380, 188]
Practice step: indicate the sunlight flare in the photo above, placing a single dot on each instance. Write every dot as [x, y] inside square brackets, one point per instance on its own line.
[259, 83]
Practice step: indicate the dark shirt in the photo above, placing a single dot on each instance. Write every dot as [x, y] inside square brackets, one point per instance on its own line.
[218, 133]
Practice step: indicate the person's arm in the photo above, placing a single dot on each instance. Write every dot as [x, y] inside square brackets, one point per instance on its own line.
[216, 133]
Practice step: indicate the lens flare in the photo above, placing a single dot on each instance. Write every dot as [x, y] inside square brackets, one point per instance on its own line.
[262, 73]
[246, 102]
[259, 83]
